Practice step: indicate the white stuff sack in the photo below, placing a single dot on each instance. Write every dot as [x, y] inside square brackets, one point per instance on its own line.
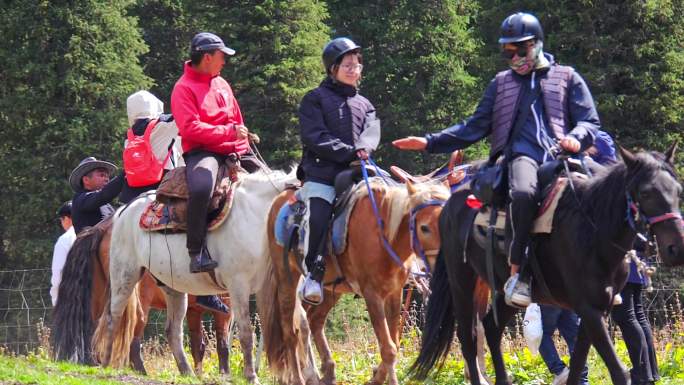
[532, 327]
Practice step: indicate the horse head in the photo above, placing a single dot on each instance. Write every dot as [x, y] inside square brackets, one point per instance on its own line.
[426, 201]
[654, 190]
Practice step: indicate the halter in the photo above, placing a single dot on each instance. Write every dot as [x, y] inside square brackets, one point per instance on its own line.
[635, 215]
[416, 246]
[381, 225]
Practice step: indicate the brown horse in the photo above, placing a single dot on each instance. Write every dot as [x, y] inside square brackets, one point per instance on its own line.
[91, 250]
[368, 270]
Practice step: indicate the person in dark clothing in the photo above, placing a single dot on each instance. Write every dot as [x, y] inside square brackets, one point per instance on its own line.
[337, 126]
[524, 111]
[636, 330]
[94, 192]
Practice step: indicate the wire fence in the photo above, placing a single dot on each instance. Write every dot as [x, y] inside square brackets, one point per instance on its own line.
[25, 307]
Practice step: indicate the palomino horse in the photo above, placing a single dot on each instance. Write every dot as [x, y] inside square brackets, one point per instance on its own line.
[580, 265]
[89, 257]
[368, 270]
[239, 246]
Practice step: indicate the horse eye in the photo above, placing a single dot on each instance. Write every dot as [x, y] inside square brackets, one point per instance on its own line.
[425, 229]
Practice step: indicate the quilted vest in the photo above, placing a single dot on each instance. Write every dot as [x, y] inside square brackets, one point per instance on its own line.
[554, 86]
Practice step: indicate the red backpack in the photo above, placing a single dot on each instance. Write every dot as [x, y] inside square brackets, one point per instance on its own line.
[141, 166]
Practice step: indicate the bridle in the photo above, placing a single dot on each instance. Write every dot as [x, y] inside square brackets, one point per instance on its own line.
[416, 246]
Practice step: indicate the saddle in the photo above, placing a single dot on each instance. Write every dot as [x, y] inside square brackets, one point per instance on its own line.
[290, 223]
[169, 210]
[552, 183]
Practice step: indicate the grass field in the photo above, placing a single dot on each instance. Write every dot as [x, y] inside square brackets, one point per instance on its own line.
[355, 353]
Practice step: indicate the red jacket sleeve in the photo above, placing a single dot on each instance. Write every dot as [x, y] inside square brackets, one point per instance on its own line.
[186, 114]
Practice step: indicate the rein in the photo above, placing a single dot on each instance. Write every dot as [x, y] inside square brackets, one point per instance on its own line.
[412, 218]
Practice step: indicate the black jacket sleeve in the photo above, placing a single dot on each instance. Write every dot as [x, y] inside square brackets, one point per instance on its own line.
[92, 200]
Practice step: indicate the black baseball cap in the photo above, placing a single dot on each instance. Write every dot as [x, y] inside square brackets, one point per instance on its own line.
[207, 41]
[64, 210]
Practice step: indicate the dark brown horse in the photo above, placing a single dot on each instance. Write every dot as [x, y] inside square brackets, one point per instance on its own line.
[368, 270]
[581, 262]
[89, 257]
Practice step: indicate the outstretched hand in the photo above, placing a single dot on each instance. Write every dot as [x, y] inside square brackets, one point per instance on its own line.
[415, 143]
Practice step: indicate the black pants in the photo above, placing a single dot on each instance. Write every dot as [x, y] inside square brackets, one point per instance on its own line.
[320, 212]
[636, 331]
[201, 170]
[522, 183]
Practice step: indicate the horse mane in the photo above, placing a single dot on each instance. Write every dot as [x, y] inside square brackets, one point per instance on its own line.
[398, 201]
[603, 200]
[272, 178]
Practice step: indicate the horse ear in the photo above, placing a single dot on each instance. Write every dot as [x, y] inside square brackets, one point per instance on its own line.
[670, 153]
[410, 187]
[628, 157]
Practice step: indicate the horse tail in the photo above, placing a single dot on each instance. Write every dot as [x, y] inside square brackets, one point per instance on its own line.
[72, 320]
[440, 323]
[123, 334]
[276, 341]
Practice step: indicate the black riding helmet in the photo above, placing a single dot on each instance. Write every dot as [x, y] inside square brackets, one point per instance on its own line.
[519, 27]
[335, 49]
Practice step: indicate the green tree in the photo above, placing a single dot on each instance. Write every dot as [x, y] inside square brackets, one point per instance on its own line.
[167, 27]
[418, 66]
[67, 70]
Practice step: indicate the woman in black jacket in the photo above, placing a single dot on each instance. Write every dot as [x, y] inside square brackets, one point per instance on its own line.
[337, 126]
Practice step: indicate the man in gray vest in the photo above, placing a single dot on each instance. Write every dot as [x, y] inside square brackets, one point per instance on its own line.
[524, 111]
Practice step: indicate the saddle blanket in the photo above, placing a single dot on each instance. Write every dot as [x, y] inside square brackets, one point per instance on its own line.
[171, 216]
[285, 223]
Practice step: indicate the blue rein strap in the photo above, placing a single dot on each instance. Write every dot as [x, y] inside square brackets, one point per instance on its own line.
[381, 224]
[378, 171]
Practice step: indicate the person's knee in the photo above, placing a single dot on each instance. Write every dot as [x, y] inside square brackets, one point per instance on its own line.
[523, 196]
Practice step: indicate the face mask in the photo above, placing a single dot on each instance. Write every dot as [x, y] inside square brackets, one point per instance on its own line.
[532, 58]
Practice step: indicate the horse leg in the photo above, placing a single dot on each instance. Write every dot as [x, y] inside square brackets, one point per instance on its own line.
[239, 299]
[197, 343]
[221, 325]
[124, 280]
[135, 350]
[393, 314]
[578, 357]
[468, 339]
[317, 316]
[388, 349]
[592, 322]
[176, 306]
[494, 333]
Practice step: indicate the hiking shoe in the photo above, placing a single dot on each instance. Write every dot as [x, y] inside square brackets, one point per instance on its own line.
[561, 378]
[517, 293]
[202, 262]
[212, 303]
[310, 291]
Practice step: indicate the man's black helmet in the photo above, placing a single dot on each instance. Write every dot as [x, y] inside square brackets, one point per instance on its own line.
[520, 27]
[335, 49]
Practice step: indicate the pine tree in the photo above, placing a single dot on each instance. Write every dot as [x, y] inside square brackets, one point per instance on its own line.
[417, 66]
[67, 71]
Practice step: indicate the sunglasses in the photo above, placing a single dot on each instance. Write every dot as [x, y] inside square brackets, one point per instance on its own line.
[509, 50]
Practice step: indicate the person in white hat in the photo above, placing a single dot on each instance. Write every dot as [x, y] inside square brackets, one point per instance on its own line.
[94, 192]
[146, 112]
